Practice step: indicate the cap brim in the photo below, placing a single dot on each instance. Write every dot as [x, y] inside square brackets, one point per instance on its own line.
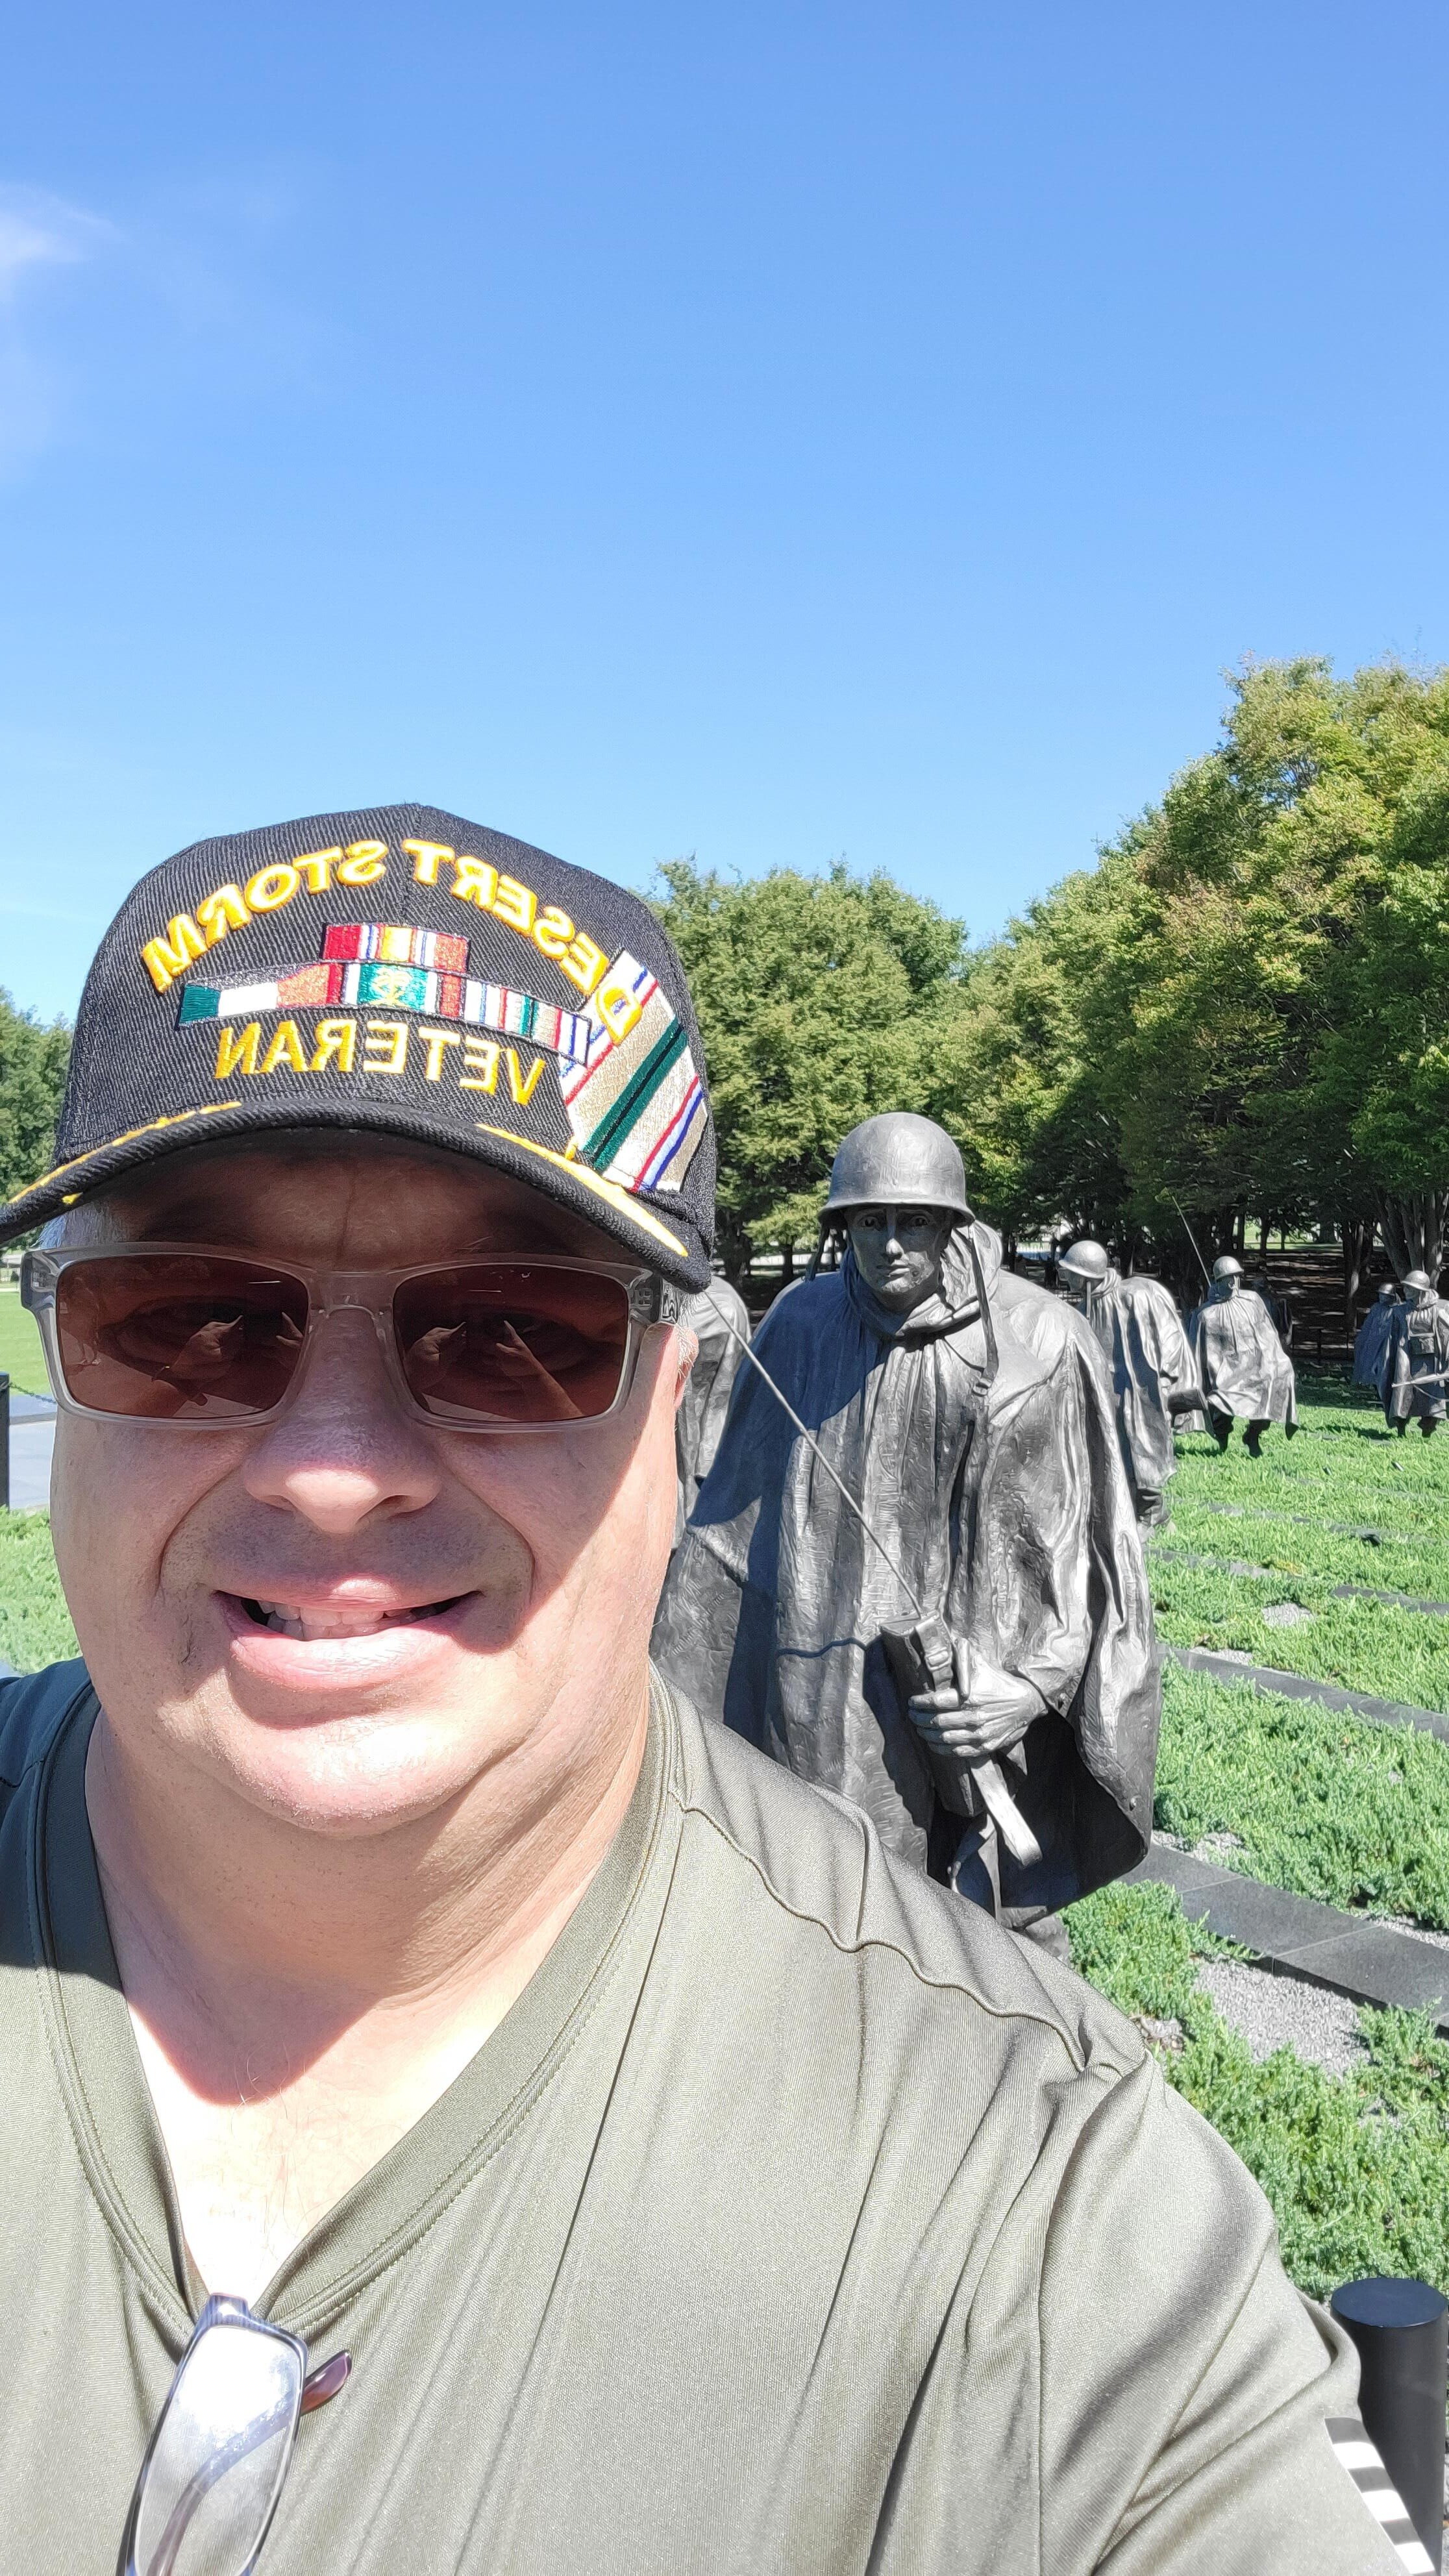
[666, 1239]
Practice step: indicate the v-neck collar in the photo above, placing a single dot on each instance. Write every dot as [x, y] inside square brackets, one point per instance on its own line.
[117, 2133]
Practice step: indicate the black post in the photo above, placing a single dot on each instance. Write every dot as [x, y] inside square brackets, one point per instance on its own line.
[1401, 2329]
[4, 1442]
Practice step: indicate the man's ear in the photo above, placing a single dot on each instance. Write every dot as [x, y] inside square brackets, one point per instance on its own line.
[686, 1354]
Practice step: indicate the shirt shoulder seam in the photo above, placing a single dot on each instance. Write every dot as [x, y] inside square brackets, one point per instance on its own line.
[691, 1806]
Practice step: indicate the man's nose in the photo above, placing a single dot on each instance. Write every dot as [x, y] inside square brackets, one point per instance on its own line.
[347, 1449]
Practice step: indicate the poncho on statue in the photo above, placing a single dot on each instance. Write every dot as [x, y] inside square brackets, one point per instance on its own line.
[1140, 1330]
[699, 1418]
[1416, 1361]
[1003, 1499]
[1244, 1369]
[1371, 1341]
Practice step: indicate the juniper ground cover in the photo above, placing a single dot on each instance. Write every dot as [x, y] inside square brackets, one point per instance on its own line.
[1352, 1812]
[1340, 1808]
[1356, 2167]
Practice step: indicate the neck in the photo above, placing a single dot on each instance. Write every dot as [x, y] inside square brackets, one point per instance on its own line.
[244, 1938]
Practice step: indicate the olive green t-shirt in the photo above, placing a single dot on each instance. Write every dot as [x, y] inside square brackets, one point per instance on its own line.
[795, 2219]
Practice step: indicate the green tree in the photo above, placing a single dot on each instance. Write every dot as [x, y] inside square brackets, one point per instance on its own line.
[33, 1060]
[821, 1000]
[1021, 1071]
[1268, 1038]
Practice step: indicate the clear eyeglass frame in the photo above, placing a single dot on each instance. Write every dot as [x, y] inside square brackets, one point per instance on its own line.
[651, 1298]
[218, 2458]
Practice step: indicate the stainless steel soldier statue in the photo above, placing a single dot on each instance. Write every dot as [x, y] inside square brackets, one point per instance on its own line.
[1153, 1378]
[1371, 1341]
[1246, 1374]
[1417, 1358]
[975, 1669]
[720, 1322]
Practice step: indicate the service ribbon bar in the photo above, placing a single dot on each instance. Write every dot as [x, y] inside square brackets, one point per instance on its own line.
[319, 984]
[634, 1099]
[383, 985]
[393, 943]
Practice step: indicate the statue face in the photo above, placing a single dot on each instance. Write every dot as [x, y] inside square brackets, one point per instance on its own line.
[899, 1252]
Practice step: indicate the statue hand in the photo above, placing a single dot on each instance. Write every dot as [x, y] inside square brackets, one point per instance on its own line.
[993, 1716]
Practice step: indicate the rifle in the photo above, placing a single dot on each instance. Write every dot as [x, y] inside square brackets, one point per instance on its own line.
[1192, 1238]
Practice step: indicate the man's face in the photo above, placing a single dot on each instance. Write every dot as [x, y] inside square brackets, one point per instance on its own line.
[899, 1252]
[451, 1588]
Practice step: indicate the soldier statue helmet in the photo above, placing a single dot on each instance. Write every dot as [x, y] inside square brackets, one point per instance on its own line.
[1228, 1267]
[1086, 1260]
[896, 1160]
[1420, 1282]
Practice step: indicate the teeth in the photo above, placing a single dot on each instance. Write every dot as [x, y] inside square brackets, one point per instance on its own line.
[308, 1624]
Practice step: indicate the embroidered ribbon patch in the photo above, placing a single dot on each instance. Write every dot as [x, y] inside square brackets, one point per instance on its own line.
[402, 969]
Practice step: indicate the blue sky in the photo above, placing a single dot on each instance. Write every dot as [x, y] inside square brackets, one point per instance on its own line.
[772, 433]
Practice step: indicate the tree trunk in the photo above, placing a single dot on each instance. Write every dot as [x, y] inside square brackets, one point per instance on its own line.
[1357, 1235]
[1413, 1231]
[1263, 1224]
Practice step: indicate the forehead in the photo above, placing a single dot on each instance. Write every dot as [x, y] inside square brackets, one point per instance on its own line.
[328, 1198]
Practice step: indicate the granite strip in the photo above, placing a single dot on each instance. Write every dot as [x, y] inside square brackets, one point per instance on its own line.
[1353, 1954]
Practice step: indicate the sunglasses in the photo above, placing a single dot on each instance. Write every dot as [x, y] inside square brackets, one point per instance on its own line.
[217, 2461]
[180, 1335]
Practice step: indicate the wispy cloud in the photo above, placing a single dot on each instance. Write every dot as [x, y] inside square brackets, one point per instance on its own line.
[41, 231]
[38, 233]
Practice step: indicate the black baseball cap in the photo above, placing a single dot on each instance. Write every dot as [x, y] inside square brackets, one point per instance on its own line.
[404, 973]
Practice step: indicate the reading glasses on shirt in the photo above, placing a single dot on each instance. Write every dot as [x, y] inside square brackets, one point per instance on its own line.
[185, 1336]
[217, 2461]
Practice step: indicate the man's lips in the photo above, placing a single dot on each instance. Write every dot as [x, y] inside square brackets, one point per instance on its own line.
[339, 1644]
[341, 1618]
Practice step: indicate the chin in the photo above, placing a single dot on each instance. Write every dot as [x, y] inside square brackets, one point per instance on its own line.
[358, 1775]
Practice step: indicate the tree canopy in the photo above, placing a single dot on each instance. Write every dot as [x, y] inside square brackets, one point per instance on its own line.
[33, 1060]
[820, 1000]
[1241, 1011]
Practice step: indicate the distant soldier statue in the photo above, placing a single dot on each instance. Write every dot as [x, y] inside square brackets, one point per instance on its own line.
[1417, 1357]
[1371, 1341]
[700, 1417]
[978, 1675]
[1246, 1374]
[1278, 1307]
[1153, 1378]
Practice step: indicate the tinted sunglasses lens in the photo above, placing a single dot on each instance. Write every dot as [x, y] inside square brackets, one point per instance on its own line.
[501, 1342]
[178, 1337]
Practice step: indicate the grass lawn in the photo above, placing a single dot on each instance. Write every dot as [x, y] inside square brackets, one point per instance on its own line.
[21, 1357]
[35, 1624]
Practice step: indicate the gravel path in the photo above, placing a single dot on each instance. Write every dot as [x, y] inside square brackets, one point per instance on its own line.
[1283, 2012]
